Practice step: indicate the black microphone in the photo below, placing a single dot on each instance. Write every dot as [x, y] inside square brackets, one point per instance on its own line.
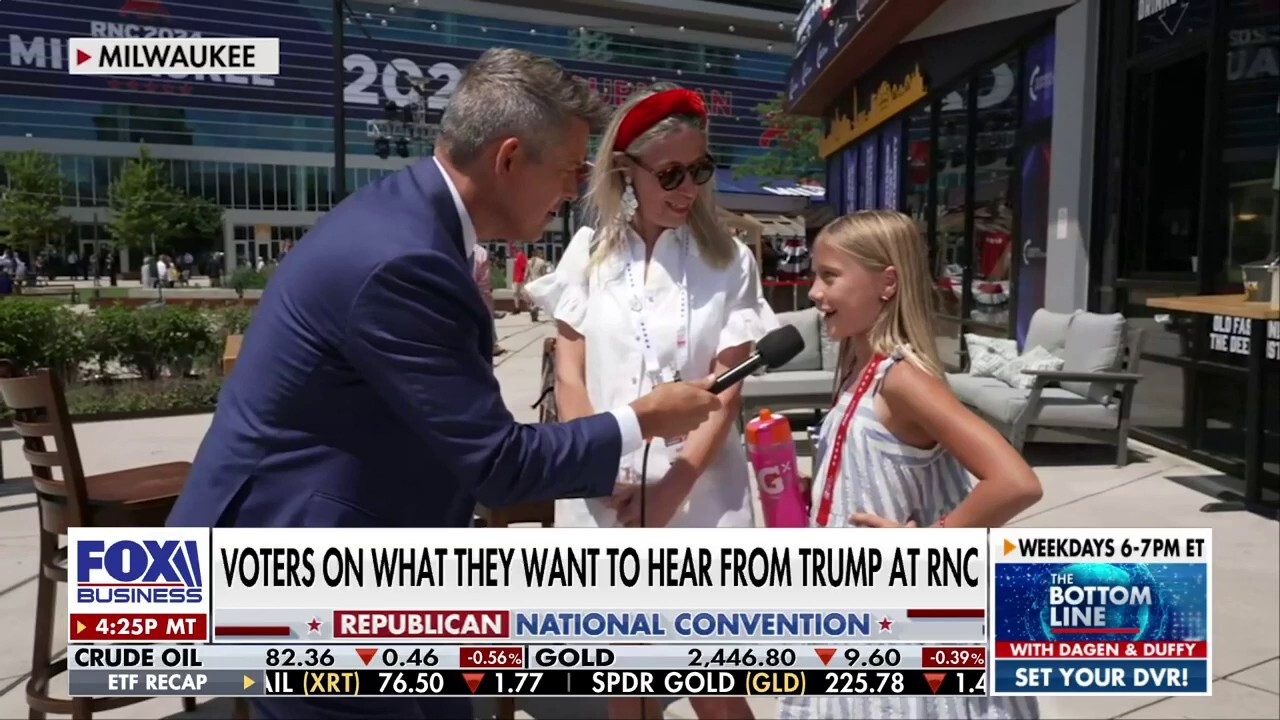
[773, 350]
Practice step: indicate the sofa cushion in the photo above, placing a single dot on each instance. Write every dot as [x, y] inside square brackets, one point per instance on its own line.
[1058, 408]
[987, 355]
[1037, 358]
[1093, 345]
[1048, 330]
[987, 364]
[808, 322]
[968, 387]
[797, 384]
[984, 344]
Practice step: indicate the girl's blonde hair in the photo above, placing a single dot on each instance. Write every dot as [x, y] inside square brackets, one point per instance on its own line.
[604, 193]
[878, 239]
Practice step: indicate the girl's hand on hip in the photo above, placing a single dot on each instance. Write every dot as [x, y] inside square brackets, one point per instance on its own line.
[875, 521]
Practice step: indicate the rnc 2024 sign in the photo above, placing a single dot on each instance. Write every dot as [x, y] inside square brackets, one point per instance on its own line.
[34, 44]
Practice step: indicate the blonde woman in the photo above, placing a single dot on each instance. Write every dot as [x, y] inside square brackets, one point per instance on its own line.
[657, 290]
[906, 445]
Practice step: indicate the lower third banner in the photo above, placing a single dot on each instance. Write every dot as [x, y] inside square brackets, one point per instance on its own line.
[1101, 612]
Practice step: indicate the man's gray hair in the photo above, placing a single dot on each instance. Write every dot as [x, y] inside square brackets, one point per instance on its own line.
[512, 93]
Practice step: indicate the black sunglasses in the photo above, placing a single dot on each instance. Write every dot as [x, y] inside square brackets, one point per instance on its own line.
[670, 178]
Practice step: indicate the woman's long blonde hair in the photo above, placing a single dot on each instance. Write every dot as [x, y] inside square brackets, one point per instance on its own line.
[604, 193]
[878, 239]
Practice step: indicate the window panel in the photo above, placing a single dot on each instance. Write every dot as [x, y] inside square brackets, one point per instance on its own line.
[950, 162]
[992, 253]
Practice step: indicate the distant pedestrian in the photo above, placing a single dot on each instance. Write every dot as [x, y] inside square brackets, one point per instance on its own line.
[518, 276]
[538, 266]
[482, 274]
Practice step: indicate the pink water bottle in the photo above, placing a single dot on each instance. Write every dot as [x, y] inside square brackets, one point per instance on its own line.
[773, 456]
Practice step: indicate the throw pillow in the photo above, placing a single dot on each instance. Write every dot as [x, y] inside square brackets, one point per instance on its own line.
[986, 364]
[981, 344]
[1037, 358]
[987, 355]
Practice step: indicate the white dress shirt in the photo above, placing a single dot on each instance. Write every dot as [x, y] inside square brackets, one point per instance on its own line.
[724, 308]
[628, 423]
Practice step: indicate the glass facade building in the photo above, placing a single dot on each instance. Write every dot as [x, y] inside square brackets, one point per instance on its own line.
[1189, 191]
[1166, 182]
[967, 156]
[262, 147]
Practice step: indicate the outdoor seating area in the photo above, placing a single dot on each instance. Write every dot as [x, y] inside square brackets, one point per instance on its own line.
[1075, 375]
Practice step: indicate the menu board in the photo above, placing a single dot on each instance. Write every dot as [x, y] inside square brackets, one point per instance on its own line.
[868, 174]
[890, 164]
[850, 179]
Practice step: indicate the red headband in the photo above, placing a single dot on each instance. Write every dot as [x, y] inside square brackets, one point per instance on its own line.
[656, 108]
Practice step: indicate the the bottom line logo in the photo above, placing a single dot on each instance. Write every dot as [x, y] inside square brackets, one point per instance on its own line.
[174, 56]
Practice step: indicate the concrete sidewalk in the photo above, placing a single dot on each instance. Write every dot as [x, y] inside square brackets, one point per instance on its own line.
[1082, 489]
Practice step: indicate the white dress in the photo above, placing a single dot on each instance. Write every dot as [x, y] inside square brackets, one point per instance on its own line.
[724, 308]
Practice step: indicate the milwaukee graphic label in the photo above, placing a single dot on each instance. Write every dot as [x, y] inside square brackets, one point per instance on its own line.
[174, 56]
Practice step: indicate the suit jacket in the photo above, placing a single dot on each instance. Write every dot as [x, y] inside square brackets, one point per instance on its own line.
[364, 393]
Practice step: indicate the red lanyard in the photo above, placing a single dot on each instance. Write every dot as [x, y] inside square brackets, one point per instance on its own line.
[837, 443]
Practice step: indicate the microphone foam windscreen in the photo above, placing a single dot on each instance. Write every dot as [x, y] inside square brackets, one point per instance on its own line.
[778, 347]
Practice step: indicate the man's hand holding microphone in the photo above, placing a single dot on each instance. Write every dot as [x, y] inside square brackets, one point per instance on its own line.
[675, 409]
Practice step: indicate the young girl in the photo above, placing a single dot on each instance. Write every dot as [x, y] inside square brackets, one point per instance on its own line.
[898, 447]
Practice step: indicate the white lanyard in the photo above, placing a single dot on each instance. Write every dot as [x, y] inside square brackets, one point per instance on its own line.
[652, 365]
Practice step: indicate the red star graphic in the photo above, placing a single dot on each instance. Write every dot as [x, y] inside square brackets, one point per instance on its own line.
[167, 87]
[314, 625]
[885, 625]
[133, 84]
[113, 84]
[186, 89]
[151, 87]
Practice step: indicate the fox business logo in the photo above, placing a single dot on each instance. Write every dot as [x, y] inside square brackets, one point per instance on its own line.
[138, 572]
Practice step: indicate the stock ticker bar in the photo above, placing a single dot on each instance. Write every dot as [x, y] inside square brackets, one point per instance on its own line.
[526, 683]
[501, 670]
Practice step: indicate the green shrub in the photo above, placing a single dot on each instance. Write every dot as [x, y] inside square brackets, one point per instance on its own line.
[151, 339]
[184, 334]
[248, 278]
[115, 335]
[139, 396]
[231, 320]
[35, 334]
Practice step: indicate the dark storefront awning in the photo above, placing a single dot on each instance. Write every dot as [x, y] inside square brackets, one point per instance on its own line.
[839, 46]
[758, 194]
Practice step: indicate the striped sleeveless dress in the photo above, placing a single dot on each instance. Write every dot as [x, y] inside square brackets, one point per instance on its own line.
[896, 481]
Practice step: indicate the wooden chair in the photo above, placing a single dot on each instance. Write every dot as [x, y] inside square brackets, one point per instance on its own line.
[231, 352]
[140, 497]
[542, 513]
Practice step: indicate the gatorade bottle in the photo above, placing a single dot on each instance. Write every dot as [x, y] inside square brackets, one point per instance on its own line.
[773, 456]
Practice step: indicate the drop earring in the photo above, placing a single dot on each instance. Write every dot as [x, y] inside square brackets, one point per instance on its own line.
[629, 202]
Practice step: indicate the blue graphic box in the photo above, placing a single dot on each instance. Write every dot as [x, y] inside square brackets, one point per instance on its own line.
[1154, 603]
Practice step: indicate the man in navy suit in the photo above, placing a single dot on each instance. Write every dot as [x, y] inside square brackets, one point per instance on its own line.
[364, 394]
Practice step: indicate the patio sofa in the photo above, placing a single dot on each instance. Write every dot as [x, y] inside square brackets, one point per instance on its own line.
[1076, 374]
